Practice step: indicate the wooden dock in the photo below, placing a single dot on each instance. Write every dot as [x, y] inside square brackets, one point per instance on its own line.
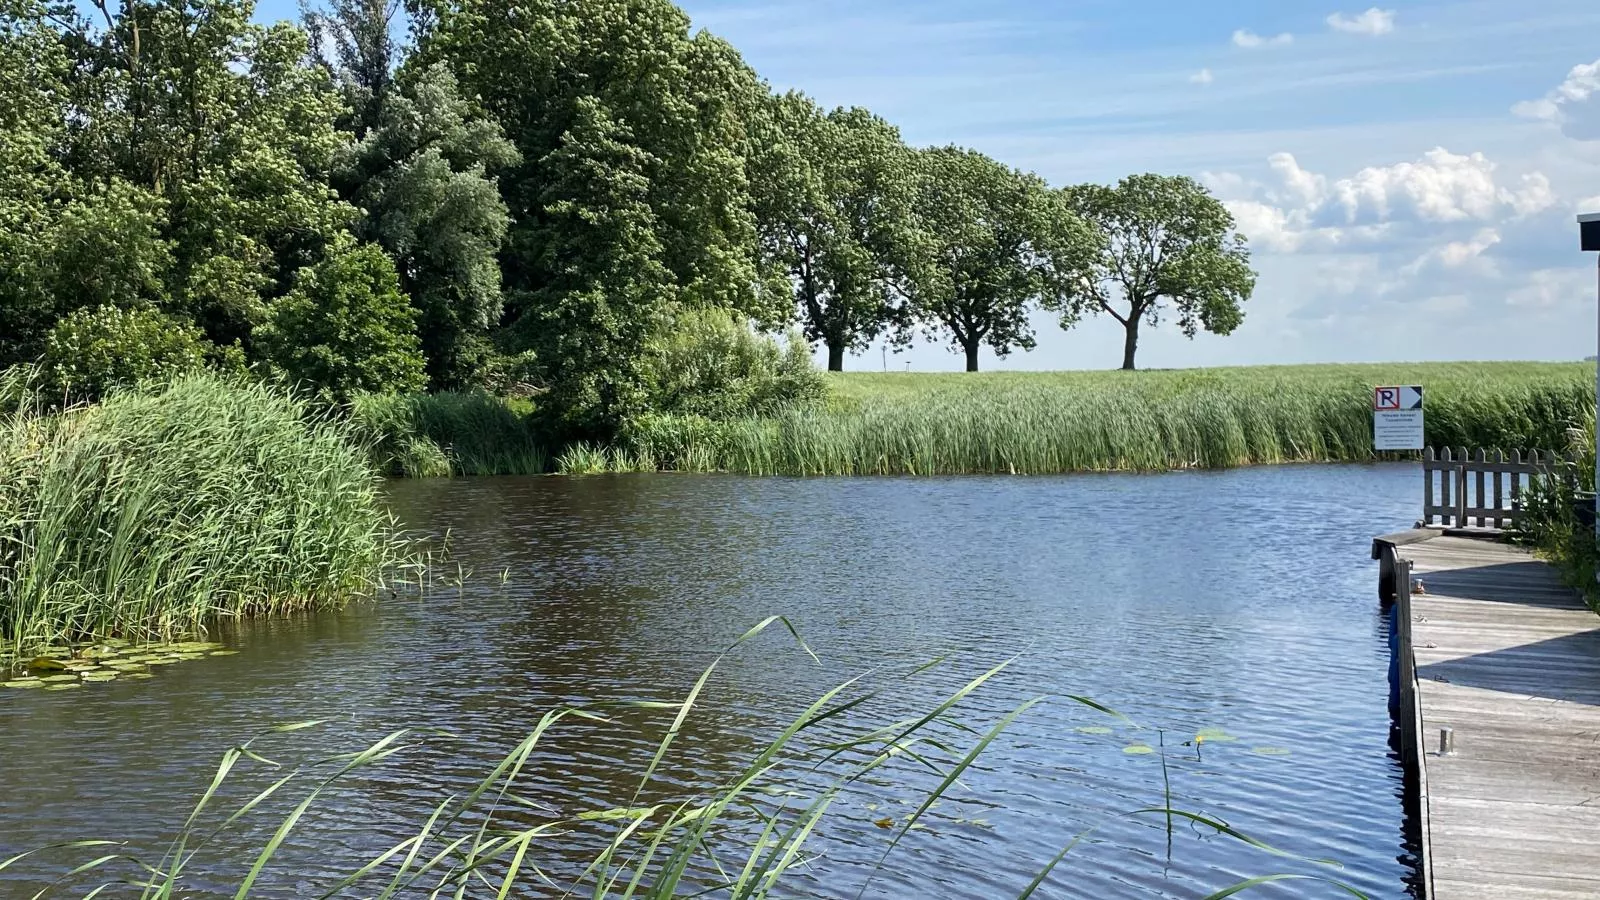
[1497, 649]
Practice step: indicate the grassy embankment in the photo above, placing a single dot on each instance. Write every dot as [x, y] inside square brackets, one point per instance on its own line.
[152, 514]
[1014, 422]
[1038, 423]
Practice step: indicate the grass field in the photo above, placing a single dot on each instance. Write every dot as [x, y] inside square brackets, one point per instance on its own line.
[1046, 422]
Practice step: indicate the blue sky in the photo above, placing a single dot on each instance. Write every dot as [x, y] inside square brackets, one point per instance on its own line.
[1407, 174]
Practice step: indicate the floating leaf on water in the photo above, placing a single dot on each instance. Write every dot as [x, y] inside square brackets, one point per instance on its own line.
[22, 683]
[117, 643]
[1093, 729]
[609, 815]
[139, 675]
[63, 687]
[884, 822]
[1214, 735]
[121, 666]
[93, 677]
[224, 653]
[191, 656]
[47, 664]
[1272, 751]
[58, 679]
[1138, 749]
[81, 668]
[196, 646]
[160, 660]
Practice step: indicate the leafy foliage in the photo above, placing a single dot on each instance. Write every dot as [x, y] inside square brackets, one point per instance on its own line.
[345, 327]
[833, 193]
[994, 237]
[1163, 240]
[1552, 524]
[552, 182]
[711, 364]
[92, 351]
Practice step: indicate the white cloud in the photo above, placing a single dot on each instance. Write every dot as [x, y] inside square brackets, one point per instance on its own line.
[1374, 22]
[1574, 104]
[1439, 187]
[1203, 76]
[1306, 187]
[1554, 289]
[1250, 40]
[1588, 205]
[1458, 255]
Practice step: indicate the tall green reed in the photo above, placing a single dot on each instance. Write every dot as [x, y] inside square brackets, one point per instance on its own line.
[155, 513]
[1039, 423]
[434, 435]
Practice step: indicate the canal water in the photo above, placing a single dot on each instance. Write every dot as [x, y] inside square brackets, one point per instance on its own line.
[1240, 605]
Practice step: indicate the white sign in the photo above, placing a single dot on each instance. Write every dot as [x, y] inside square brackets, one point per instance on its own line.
[1397, 418]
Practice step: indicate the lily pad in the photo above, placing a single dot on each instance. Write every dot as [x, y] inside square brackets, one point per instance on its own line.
[59, 679]
[1271, 751]
[224, 653]
[22, 683]
[95, 677]
[1138, 749]
[191, 656]
[46, 664]
[1215, 736]
[196, 646]
[139, 675]
[160, 660]
[125, 667]
[63, 687]
[1093, 729]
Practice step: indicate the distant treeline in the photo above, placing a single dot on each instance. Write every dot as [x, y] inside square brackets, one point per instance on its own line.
[520, 197]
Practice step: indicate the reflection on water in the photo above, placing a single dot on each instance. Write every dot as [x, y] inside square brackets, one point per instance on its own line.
[1240, 601]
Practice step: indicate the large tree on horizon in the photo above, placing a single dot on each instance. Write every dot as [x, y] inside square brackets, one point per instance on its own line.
[1165, 245]
[993, 241]
[833, 193]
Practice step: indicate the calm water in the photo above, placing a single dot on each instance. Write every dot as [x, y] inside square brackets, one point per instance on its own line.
[1240, 600]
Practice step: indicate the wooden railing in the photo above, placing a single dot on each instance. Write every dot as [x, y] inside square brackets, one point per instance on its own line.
[1483, 490]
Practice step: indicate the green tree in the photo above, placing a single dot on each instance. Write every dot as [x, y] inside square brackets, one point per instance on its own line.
[994, 242]
[422, 175]
[91, 351]
[608, 99]
[224, 123]
[608, 290]
[422, 170]
[1164, 242]
[833, 194]
[33, 68]
[345, 327]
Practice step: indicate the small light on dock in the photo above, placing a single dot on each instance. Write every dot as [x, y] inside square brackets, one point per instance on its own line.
[1447, 741]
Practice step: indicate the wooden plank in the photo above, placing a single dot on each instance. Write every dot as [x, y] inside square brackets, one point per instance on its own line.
[1507, 657]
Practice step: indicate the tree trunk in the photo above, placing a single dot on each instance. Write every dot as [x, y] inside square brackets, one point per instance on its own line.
[835, 357]
[1130, 344]
[972, 357]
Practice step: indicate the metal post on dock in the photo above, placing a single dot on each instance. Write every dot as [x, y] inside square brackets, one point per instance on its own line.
[1589, 238]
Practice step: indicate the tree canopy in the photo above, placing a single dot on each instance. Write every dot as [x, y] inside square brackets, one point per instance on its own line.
[994, 240]
[833, 196]
[1165, 244]
[533, 195]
